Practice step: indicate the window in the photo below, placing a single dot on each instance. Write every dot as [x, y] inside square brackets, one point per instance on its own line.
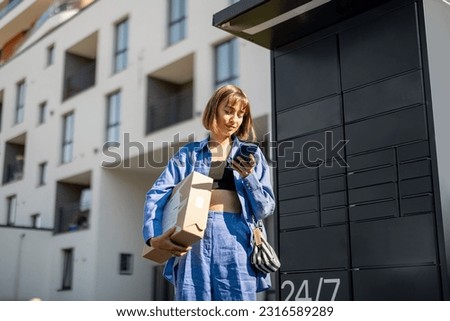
[67, 144]
[42, 113]
[126, 263]
[121, 46]
[177, 20]
[227, 63]
[85, 199]
[20, 102]
[67, 274]
[50, 55]
[11, 202]
[36, 220]
[113, 117]
[42, 174]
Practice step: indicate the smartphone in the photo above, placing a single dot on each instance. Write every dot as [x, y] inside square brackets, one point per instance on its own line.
[245, 151]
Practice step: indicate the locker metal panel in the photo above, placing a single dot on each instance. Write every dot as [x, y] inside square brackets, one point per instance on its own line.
[404, 240]
[371, 159]
[309, 149]
[297, 175]
[416, 283]
[418, 204]
[377, 210]
[304, 119]
[298, 190]
[334, 216]
[316, 286]
[307, 74]
[415, 169]
[402, 91]
[332, 168]
[333, 184]
[372, 193]
[333, 199]
[373, 50]
[388, 130]
[416, 186]
[299, 221]
[413, 151]
[299, 205]
[317, 248]
[372, 177]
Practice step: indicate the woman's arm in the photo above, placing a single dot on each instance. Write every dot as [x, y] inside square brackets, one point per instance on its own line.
[156, 199]
[259, 189]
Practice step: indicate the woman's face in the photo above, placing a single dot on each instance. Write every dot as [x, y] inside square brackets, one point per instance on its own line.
[229, 119]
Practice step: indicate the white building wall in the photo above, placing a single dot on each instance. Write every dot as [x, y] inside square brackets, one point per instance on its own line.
[437, 25]
[117, 194]
[84, 245]
[120, 227]
[25, 264]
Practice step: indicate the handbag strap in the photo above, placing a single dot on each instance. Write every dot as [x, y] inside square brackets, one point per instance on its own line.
[257, 235]
[257, 231]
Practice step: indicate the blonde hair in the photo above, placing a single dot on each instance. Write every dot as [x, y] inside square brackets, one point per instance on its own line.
[231, 95]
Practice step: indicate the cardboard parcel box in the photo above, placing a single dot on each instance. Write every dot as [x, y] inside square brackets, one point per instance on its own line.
[187, 209]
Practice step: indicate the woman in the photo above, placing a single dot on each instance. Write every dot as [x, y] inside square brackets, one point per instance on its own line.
[217, 267]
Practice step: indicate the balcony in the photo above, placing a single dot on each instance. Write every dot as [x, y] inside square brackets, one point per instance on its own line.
[14, 171]
[170, 94]
[80, 66]
[57, 8]
[79, 81]
[14, 159]
[168, 104]
[73, 217]
[73, 204]
[59, 12]
[16, 19]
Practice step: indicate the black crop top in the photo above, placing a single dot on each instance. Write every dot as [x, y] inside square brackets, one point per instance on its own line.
[222, 175]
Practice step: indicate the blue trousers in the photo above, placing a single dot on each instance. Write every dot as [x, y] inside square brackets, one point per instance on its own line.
[218, 267]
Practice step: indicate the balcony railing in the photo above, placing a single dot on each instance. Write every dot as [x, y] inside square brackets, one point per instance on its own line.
[9, 7]
[14, 171]
[170, 110]
[54, 10]
[79, 81]
[73, 217]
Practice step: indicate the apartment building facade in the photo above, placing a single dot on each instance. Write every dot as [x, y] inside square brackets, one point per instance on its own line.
[94, 98]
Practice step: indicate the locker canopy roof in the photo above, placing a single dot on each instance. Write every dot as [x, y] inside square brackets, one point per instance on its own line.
[273, 23]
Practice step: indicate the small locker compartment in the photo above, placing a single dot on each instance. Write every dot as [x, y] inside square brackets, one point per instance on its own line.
[414, 283]
[315, 248]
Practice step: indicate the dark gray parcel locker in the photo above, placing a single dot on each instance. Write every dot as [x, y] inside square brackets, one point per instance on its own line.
[369, 221]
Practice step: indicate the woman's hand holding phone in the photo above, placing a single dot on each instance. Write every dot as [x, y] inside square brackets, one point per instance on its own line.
[244, 168]
[245, 161]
